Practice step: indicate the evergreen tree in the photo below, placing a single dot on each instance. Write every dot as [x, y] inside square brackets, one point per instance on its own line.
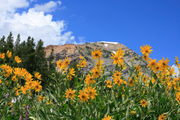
[2, 44]
[17, 45]
[32, 55]
[29, 55]
[50, 60]
[41, 62]
[9, 42]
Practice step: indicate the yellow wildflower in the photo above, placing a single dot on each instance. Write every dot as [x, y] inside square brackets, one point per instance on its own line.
[83, 96]
[82, 63]
[2, 55]
[96, 72]
[36, 85]
[23, 89]
[14, 78]
[118, 57]
[163, 64]
[143, 103]
[152, 63]
[89, 80]
[108, 83]
[40, 98]
[17, 59]
[162, 117]
[118, 81]
[91, 92]
[9, 54]
[70, 94]
[117, 74]
[107, 118]
[37, 75]
[96, 54]
[146, 50]
[178, 96]
[6, 70]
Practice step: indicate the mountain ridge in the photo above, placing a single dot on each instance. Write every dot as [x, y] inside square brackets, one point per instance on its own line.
[73, 51]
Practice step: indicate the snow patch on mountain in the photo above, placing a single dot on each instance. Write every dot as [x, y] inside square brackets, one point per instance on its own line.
[109, 42]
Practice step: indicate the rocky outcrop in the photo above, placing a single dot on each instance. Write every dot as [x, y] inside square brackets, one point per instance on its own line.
[73, 51]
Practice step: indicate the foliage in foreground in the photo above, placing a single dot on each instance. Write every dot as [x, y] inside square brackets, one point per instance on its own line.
[72, 94]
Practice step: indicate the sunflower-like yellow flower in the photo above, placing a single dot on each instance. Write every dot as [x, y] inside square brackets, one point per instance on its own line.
[6, 70]
[9, 54]
[108, 117]
[70, 94]
[23, 89]
[0, 81]
[21, 72]
[99, 64]
[163, 63]
[108, 83]
[89, 80]
[59, 64]
[63, 64]
[96, 54]
[71, 73]
[82, 63]
[37, 75]
[146, 57]
[117, 74]
[66, 62]
[118, 81]
[120, 52]
[162, 117]
[36, 85]
[144, 103]
[29, 84]
[118, 57]
[2, 55]
[152, 64]
[153, 80]
[83, 96]
[96, 72]
[146, 50]
[17, 59]
[17, 92]
[177, 62]
[40, 98]
[91, 92]
[14, 78]
[178, 96]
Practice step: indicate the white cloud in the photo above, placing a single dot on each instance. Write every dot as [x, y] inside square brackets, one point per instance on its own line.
[176, 70]
[47, 7]
[9, 6]
[35, 23]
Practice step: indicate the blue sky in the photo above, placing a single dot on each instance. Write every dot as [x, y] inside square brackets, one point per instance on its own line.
[130, 22]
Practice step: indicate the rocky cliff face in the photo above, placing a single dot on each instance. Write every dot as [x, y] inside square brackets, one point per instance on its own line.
[74, 51]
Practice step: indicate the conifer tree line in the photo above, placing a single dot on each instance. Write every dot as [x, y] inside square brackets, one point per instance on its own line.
[31, 53]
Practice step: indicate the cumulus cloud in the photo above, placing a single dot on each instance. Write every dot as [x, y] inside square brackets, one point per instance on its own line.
[47, 7]
[10, 6]
[176, 70]
[35, 22]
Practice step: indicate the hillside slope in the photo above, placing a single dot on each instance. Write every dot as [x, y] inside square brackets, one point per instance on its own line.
[73, 51]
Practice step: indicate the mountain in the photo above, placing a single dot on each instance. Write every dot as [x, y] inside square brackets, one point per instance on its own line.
[73, 51]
